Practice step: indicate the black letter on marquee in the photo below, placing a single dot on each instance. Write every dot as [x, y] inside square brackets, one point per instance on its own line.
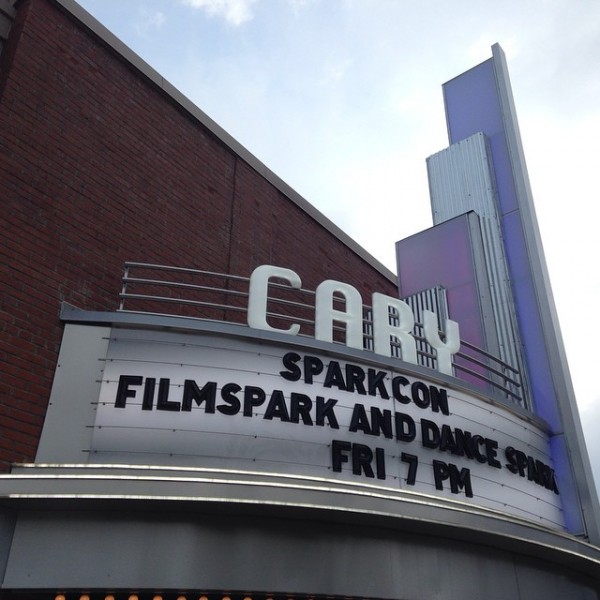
[464, 443]
[491, 447]
[439, 400]
[300, 407]
[430, 433]
[380, 463]
[397, 382]
[381, 422]
[360, 420]
[191, 392]
[293, 372]
[362, 456]
[413, 462]
[355, 378]
[148, 401]
[405, 427]
[337, 458]
[334, 376]
[447, 443]
[377, 382]
[123, 391]
[228, 393]
[548, 479]
[460, 480]
[440, 473]
[511, 465]
[163, 398]
[521, 462]
[312, 366]
[479, 441]
[325, 411]
[420, 394]
[253, 396]
[277, 407]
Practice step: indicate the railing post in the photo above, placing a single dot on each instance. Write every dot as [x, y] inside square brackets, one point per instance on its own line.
[124, 287]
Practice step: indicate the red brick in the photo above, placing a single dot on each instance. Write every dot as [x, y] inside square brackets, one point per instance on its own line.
[98, 166]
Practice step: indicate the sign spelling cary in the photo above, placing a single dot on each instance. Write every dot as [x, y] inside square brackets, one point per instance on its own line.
[241, 401]
[352, 317]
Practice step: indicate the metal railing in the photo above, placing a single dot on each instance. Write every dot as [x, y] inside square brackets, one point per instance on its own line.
[195, 294]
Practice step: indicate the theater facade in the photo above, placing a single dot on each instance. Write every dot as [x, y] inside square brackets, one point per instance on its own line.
[208, 390]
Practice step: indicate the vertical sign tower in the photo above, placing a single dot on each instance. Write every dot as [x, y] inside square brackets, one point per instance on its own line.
[485, 248]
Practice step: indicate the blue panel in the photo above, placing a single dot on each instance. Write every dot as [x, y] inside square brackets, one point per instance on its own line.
[472, 106]
[566, 485]
[540, 376]
[474, 103]
[443, 255]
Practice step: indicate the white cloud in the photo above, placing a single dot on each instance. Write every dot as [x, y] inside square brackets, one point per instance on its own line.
[149, 21]
[590, 417]
[298, 5]
[335, 72]
[235, 12]
[479, 50]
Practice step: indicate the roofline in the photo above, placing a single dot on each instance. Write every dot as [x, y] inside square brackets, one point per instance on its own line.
[157, 79]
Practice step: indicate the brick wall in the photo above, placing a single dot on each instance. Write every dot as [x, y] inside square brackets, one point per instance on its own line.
[99, 166]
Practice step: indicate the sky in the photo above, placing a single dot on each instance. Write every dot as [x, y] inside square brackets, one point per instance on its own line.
[342, 100]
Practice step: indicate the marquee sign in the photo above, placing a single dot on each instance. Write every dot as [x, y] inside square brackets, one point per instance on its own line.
[384, 329]
[212, 400]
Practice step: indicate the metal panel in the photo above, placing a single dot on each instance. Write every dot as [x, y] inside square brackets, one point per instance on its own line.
[460, 181]
[237, 553]
[75, 388]
[287, 551]
[434, 300]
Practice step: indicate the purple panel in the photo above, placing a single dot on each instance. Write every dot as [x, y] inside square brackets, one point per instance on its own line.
[472, 103]
[439, 255]
[530, 326]
[472, 106]
[443, 255]
[568, 492]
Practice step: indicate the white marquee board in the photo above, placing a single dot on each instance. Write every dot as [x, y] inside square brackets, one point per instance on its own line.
[278, 439]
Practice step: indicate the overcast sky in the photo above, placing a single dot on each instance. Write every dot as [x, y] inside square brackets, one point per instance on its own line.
[342, 99]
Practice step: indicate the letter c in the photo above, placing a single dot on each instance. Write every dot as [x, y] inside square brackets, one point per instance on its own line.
[258, 295]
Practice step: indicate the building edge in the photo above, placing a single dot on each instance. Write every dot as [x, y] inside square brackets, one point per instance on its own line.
[565, 393]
